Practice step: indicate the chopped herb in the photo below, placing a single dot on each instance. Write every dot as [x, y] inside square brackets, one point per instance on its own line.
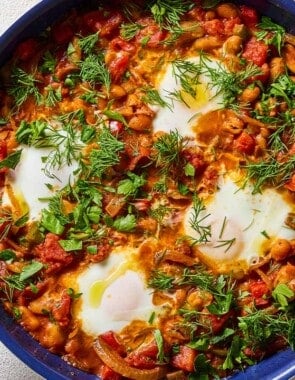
[198, 222]
[271, 33]
[169, 12]
[88, 43]
[30, 270]
[160, 280]
[71, 245]
[22, 86]
[94, 70]
[131, 185]
[51, 223]
[168, 150]
[7, 255]
[153, 97]
[125, 223]
[11, 160]
[282, 295]
[160, 345]
[129, 31]
[49, 63]
[107, 155]
[71, 292]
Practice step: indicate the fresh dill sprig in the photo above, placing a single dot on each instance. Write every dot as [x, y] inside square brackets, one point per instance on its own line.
[153, 97]
[160, 280]
[107, 155]
[270, 171]
[88, 43]
[159, 213]
[53, 96]
[283, 87]
[129, 30]
[94, 70]
[198, 222]
[22, 86]
[48, 63]
[168, 13]
[271, 33]
[67, 148]
[260, 328]
[225, 243]
[187, 74]
[228, 84]
[167, 151]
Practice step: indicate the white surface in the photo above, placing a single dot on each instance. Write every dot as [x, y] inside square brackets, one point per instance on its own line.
[11, 368]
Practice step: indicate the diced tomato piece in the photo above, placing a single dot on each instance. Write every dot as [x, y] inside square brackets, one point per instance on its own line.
[27, 295]
[51, 253]
[111, 25]
[116, 127]
[3, 171]
[3, 267]
[62, 33]
[197, 13]
[118, 44]
[145, 357]
[153, 35]
[249, 16]
[217, 322]
[259, 290]
[185, 359]
[142, 204]
[245, 143]
[195, 159]
[118, 66]
[112, 340]
[3, 149]
[255, 51]
[229, 25]
[290, 185]
[106, 373]
[61, 310]
[214, 27]
[93, 20]
[26, 49]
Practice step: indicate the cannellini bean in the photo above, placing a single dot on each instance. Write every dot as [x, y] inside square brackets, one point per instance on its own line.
[53, 336]
[233, 125]
[277, 67]
[250, 94]
[233, 45]
[240, 30]
[227, 10]
[28, 319]
[289, 57]
[280, 249]
[210, 15]
[140, 122]
[207, 43]
[117, 92]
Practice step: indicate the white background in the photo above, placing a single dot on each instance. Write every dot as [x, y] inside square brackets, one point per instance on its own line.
[12, 368]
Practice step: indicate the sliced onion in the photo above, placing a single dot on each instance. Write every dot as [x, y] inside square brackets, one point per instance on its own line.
[113, 360]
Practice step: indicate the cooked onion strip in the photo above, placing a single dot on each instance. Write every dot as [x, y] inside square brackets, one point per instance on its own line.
[113, 360]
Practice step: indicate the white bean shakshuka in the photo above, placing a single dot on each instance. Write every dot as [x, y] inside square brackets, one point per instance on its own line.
[147, 171]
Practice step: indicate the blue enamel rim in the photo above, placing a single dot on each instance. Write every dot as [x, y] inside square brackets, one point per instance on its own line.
[280, 366]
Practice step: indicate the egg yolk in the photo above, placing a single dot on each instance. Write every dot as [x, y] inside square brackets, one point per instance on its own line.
[99, 287]
[199, 100]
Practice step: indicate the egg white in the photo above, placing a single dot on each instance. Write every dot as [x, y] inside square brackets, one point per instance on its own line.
[183, 116]
[29, 183]
[242, 225]
[113, 293]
